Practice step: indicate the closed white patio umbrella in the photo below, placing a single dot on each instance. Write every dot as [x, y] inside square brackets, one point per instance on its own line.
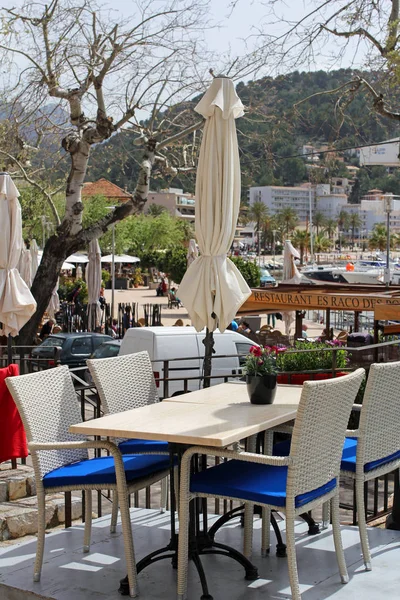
[290, 274]
[34, 250]
[54, 304]
[93, 280]
[17, 304]
[192, 252]
[213, 289]
[25, 266]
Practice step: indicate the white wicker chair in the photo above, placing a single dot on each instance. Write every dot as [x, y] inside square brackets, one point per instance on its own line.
[373, 449]
[126, 382]
[48, 405]
[309, 476]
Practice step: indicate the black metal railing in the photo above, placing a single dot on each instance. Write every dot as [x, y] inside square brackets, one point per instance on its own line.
[377, 492]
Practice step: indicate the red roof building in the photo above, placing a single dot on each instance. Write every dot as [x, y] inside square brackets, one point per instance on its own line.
[105, 188]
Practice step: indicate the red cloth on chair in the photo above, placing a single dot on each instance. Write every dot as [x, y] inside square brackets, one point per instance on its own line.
[12, 432]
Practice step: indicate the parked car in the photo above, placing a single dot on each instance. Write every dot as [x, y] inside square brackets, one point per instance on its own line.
[167, 343]
[73, 349]
[266, 279]
[105, 350]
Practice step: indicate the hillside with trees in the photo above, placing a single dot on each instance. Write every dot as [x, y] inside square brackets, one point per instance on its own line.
[272, 133]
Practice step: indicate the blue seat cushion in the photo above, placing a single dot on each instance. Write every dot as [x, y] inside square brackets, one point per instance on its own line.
[349, 457]
[101, 470]
[138, 446]
[255, 482]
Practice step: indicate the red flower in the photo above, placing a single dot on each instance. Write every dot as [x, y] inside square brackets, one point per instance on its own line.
[255, 351]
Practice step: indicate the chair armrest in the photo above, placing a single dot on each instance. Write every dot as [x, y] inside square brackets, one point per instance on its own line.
[356, 407]
[276, 461]
[72, 445]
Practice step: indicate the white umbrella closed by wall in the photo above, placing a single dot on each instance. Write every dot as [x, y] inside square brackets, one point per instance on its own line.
[213, 289]
[17, 304]
[34, 250]
[192, 252]
[290, 274]
[25, 266]
[93, 280]
[79, 273]
[54, 304]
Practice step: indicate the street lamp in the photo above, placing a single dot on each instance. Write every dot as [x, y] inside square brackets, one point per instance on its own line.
[112, 266]
[311, 225]
[388, 207]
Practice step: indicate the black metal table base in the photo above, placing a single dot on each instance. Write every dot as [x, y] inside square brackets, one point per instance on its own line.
[203, 545]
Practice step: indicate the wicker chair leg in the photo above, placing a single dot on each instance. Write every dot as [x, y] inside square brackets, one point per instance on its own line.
[362, 524]
[114, 512]
[291, 556]
[88, 520]
[265, 531]
[326, 515]
[164, 494]
[248, 529]
[337, 537]
[41, 501]
[128, 544]
[183, 546]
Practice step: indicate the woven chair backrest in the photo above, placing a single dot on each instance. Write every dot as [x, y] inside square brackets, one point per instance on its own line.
[319, 431]
[124, 382]
[379, 426]
[48, 405]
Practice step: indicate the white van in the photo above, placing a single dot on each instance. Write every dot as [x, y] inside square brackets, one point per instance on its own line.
[167, 343]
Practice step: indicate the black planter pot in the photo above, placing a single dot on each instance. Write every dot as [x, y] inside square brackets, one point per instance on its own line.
[262, 389]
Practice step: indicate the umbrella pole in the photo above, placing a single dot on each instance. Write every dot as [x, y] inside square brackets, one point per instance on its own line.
[209, 351]
[9, 350]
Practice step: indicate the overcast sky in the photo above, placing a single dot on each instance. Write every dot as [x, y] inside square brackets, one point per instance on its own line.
[235, 26]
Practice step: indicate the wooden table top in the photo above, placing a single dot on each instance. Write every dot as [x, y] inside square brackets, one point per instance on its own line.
[234, 391]
[202, 423]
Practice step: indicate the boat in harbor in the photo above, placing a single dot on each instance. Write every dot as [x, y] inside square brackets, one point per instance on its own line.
[362, 272]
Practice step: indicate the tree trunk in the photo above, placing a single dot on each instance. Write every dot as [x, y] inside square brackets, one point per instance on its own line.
[56, 250]
[70, 237]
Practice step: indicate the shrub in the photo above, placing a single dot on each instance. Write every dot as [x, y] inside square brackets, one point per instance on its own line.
[311, 361]
[249, 270]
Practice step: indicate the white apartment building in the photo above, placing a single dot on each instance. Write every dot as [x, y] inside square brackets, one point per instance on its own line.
[321, 197]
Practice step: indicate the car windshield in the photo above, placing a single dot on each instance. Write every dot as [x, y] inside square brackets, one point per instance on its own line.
[265, 273]
[106, 351]
[53, 342]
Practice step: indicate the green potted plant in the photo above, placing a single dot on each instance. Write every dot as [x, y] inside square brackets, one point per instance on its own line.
[298, 363]
[261, 374]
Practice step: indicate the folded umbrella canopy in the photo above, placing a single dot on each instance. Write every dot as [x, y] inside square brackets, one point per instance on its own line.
[212, 288]
[34, 250]
[17, 304]
[290, 274]
[25, 266]
[93, 280]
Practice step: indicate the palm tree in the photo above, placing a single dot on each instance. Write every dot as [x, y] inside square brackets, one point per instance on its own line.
[355, 222]
[330, 227]
[321, 244]
[343, 223]
[287, 219]
[155, 210]
[319, 220]
[301, 241]
[258, 213]
[377, 240]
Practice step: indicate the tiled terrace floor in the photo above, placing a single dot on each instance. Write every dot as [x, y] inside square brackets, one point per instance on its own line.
[70, 575]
